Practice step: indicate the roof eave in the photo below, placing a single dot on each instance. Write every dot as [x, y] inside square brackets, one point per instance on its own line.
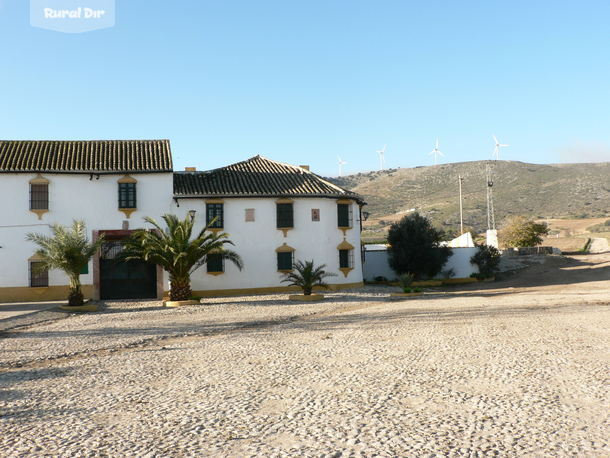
[354, 197]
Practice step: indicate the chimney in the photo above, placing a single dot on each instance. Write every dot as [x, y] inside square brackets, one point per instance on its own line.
[306, 167]
[190, 169]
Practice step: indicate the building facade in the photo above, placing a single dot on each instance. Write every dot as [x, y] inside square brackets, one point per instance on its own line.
[110, 185]
[274, 213]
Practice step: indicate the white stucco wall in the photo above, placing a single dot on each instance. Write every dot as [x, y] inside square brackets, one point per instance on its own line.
[376, 264]
[96, 202]
[257, 241]
[70, 197]
[460, 262]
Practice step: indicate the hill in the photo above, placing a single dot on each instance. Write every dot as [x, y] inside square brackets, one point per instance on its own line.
[536, 190]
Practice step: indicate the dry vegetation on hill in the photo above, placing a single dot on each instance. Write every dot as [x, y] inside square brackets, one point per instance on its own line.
[535, 190]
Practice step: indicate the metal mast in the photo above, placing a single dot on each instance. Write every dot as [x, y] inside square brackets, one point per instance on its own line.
[460, 179]
[491, 221]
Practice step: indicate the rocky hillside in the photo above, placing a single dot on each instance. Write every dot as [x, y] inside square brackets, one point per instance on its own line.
[541, 191]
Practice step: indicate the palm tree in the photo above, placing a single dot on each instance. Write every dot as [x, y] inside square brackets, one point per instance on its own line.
[68, 249]
[307, 276]
[176, 250]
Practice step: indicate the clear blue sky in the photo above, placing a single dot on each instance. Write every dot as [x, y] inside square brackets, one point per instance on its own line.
[305, 81]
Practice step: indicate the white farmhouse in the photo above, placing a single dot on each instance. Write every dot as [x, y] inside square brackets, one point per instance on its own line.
[111, 185]
[274, 213]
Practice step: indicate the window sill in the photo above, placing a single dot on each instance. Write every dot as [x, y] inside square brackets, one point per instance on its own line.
[40, 212]
[344, 229]
[346, 270]
[285, 271]
[127, 211]
[215, 273]
[285, 230]
[216, 229]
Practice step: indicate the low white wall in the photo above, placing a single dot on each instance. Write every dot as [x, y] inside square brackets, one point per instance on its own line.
[460, 262]
[376, 264]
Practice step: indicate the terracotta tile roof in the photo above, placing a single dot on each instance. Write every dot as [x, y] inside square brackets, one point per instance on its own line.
[85, 156]
[257, 177]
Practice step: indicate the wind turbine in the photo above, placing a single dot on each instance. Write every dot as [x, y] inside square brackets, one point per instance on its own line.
[437, 152]
[341, 164]
[381, 153]
[497, 147]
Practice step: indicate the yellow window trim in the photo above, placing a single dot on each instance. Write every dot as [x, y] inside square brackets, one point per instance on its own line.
[39, 212]
[127, 179]
[284, 230]
[128, 211]
[345, 228]
[346, 270]
[39, 179]
[345, 245]
[214, 201]
[215, 273]
[284, 249]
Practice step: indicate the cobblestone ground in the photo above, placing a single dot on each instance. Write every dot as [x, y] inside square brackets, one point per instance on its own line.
[482, 373]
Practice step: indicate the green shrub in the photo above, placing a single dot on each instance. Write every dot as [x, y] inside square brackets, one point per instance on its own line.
[603, 227]
[306, 276]
[415, 247]
[522, 232]
[487, 259]
[405, 281]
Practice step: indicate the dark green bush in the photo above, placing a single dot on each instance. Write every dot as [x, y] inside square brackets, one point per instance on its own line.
[414, 247]
[487, 259]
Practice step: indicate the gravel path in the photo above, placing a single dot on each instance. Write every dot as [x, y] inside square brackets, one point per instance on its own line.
[464, 374]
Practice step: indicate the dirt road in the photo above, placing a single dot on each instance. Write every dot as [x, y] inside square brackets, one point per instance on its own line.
[517, 368]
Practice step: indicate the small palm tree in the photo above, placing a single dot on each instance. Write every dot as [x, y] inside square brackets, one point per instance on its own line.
[68, 249]
[306, 276]
[176, 250]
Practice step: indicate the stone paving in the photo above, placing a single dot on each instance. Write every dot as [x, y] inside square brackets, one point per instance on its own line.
[483, 373]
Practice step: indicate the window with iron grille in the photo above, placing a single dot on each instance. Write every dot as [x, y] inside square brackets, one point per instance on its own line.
[127, 195]
[285, 217]
[39, 277]
[214, 211]
[111, 249]
[215, 263]
[346, 259]
[39, 196]
[284, 260]
[344, 215]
